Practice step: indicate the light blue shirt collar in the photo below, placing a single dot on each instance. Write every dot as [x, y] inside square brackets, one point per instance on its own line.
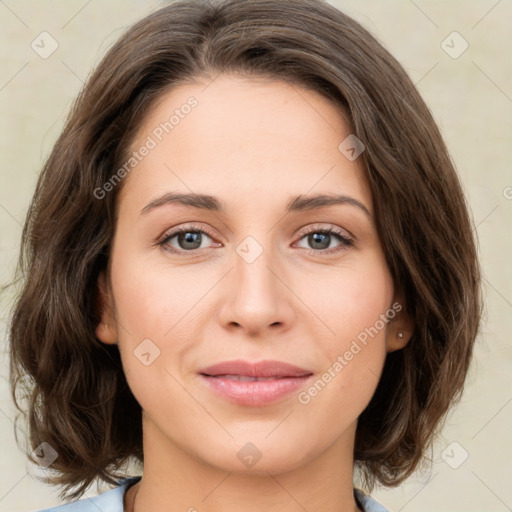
[112, 500]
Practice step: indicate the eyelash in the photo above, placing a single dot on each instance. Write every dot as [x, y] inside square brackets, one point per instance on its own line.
[339, 234]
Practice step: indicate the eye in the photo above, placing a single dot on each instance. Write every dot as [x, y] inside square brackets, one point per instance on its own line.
[320, 239]
[188, 239]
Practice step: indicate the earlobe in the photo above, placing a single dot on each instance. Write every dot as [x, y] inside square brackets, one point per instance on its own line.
[397, 340]
[105, 330]
[400, 328]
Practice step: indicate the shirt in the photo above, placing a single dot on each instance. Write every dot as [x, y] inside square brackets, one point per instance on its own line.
[112, 500]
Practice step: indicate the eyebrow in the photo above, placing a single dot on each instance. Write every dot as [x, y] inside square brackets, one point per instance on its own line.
[211, 203]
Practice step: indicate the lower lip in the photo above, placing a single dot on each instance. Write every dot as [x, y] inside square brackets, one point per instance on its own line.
[255, 393]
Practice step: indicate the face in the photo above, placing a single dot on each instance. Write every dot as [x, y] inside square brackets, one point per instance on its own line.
[248, 274]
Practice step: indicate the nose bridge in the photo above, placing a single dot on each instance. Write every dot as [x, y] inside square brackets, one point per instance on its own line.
[253, 277]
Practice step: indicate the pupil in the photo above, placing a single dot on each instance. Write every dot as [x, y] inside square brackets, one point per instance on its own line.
[319, 238]
[190, 237]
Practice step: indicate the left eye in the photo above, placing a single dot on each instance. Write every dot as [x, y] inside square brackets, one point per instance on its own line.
[192, 239]
[320, 239]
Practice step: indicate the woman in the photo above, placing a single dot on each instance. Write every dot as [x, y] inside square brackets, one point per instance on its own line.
[249, 266]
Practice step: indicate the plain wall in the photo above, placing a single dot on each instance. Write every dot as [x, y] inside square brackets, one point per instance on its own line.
[471, 99]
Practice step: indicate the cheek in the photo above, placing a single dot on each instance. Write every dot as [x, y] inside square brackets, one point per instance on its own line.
[156, 300]
[353, 306]
[160, 314]
[349, 299]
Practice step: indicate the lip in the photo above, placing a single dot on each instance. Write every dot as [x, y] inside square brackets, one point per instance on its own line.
[266, 368]
[281, 379]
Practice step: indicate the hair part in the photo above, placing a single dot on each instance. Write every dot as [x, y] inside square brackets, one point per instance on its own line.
[78, 398]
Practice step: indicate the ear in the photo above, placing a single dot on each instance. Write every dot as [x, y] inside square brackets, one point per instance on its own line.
[400, 327]
[106, 330]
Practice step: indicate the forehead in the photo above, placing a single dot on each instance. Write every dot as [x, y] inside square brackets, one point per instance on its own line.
[244, 140]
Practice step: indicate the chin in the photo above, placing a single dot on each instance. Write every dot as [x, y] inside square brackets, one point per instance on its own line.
[258, 456]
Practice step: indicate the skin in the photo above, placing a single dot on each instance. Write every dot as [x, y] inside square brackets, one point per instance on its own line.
[252, 144]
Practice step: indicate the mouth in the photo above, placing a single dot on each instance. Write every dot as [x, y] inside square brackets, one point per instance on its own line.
[262, 369]
[246, 378]
[254, 384]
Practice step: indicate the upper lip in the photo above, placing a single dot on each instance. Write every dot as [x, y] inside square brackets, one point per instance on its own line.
[267, 368]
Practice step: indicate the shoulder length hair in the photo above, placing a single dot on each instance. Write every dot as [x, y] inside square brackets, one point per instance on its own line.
[78, 399]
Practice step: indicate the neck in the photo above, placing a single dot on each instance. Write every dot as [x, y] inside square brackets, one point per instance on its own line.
[173, 479]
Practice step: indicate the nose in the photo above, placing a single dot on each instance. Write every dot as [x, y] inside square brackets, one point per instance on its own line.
[257, 296]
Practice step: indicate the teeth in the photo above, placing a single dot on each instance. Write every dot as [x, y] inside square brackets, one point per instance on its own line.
[246, 378]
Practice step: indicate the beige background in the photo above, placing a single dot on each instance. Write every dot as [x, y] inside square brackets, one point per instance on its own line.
[471, 98]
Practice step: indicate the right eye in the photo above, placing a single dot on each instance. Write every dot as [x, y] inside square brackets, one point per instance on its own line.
[189, 239]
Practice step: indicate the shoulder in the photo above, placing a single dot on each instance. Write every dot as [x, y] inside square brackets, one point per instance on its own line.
[367, 503]
[109, 501]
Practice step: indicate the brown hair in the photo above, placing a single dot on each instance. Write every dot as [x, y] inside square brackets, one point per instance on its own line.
[78, 398]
